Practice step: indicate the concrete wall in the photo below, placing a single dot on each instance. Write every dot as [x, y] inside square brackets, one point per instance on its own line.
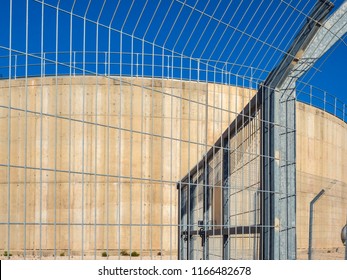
[321, 164]
[149, 134]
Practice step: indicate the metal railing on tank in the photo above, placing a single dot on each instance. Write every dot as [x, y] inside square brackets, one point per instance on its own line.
[156, 65]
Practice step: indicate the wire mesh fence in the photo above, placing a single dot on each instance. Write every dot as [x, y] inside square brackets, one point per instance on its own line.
[219, 203]
[146, 129]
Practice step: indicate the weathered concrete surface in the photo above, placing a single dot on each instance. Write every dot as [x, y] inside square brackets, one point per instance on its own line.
[321, 164]
[150, 133]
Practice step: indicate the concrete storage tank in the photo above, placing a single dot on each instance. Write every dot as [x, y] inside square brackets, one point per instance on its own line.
[94, 162]
[107, 106]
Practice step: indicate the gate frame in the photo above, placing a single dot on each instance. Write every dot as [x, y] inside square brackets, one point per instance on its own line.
[276, 99]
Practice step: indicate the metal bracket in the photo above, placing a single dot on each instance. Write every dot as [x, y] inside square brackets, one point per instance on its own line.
[185, 235]
[203, 235]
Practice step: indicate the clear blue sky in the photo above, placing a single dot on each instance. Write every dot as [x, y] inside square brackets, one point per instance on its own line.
[253, 34]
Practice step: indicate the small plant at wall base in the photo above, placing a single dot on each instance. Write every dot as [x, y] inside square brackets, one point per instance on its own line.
[124, 253]
[135, 254]
[6, 254]
[104, 254]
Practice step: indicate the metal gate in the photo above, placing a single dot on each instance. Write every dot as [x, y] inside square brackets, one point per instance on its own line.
[242, 196]
[219, 200]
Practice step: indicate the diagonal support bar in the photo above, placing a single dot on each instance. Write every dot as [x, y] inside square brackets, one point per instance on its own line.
[332, 30]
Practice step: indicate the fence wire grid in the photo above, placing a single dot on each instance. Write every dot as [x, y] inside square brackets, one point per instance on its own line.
[173, 129]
